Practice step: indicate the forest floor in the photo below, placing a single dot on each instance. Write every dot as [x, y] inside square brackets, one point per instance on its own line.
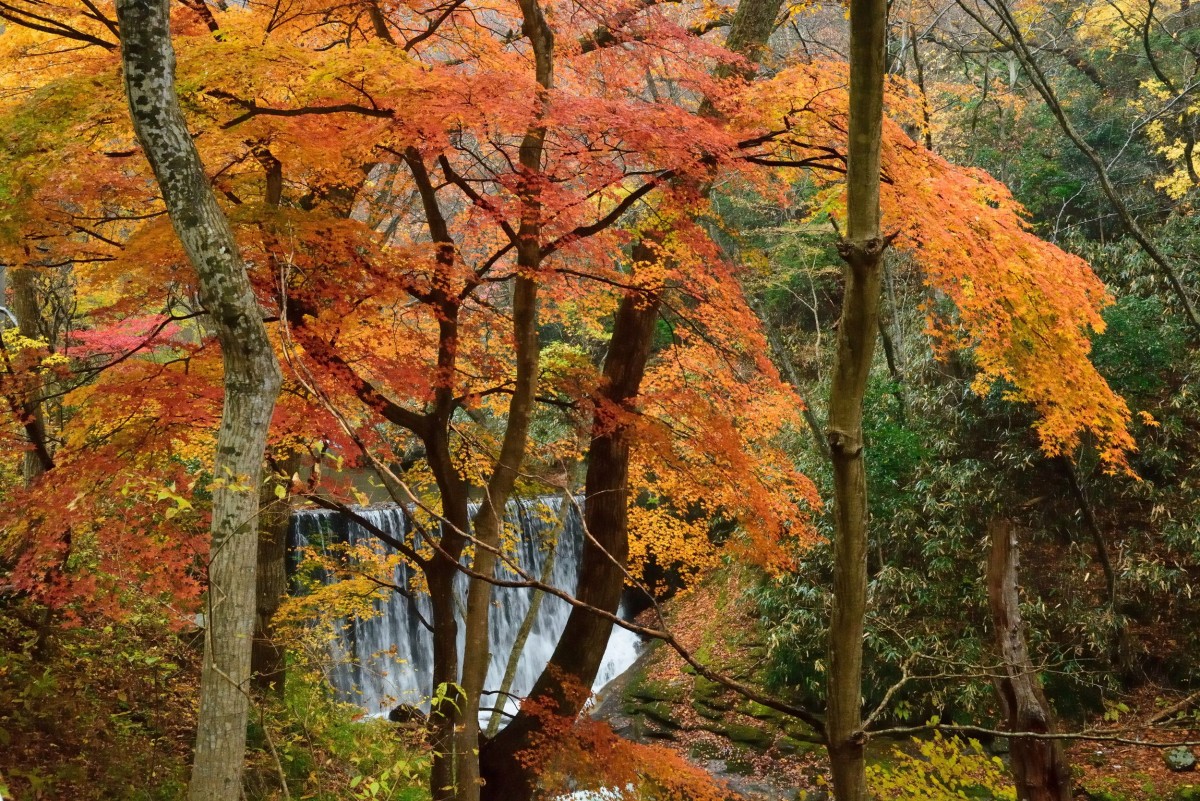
[1112, 771]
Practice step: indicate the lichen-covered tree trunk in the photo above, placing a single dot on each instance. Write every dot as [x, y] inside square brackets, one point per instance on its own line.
[1039, 766]
[252, 381]
[862, 249]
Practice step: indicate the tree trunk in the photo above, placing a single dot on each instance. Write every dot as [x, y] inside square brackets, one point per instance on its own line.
[862, 249]
[267, 663]
[487, 525]
[1095, 532]
[527, 623]
[444, 715]
[488, 522]
[580, 650]
[446, 704]
[926, 116]
[1039, 766]
[28, 311]
[252, 381]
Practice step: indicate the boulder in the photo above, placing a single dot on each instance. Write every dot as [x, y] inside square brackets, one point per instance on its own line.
[1180, 759]
[662, 713]
[645, 689]
[754, 736]
[739, 766]
[408, 715]
[703, 750]
[789, 746]
[760, 712]
[1103, 794]
[706, 711]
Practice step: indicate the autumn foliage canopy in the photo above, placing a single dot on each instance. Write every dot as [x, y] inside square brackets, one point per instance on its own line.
[368, 157]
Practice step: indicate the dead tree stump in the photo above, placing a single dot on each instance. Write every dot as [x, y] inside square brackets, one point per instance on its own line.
[1039, 765]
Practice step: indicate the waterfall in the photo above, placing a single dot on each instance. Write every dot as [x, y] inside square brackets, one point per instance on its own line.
[387, 660]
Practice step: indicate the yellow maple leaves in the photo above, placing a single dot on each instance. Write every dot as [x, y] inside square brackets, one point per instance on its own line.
[1024, 308]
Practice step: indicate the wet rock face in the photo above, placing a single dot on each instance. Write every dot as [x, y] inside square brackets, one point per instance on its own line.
[1180, 759]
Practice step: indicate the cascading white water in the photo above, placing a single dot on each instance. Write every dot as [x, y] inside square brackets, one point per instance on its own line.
[387, 660]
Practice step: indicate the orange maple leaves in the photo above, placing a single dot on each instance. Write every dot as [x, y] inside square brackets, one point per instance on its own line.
[1024, 308]
[351, 116]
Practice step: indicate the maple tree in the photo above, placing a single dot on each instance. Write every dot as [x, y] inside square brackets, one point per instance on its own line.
[439, 234]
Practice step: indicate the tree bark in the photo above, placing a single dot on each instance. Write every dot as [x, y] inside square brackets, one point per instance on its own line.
[580, 650]
[267, 663]
[1039, 766]
[488, 521]
[28, 311]
[862, 249]
[252, 381]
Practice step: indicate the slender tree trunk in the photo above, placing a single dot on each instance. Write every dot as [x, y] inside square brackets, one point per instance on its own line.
[1094, 531]
[784, 360]
[580, 650]
[572, 669]
[252, 381]
[1039, 767]
[445, 708]
[862, 249]
[28, 311]
[926, 116]
[444, 717]
[488, 522]
[267, 663]
[527, 623]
